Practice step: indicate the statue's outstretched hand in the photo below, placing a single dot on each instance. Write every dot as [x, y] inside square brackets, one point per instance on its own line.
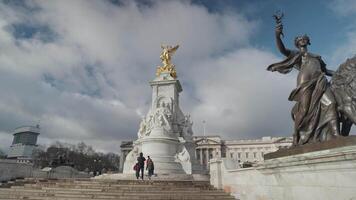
[271, 69]
[279, 30]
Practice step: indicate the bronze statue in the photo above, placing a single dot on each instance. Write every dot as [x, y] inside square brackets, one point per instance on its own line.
[320, 106]
[343, 85]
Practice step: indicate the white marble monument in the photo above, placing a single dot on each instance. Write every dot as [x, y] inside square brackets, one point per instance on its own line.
[165, 134]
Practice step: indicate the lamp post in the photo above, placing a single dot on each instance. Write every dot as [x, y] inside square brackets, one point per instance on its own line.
[204, 142]
[204, 128]
[94, 167]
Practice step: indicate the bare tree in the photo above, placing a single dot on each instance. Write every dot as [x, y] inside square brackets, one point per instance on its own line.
[81, 156]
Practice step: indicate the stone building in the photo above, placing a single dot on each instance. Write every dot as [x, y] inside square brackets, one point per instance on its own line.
[25, 141]
[209, 147]
[125, 147]
[242, 151]
[253, 150]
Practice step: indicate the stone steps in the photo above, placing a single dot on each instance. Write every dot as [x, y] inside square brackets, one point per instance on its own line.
[138, 188]
[212, 192]
[128, 193]
[102, 196]
[69, 189]
[137, 184]
[131, 184]
[114, 190]
[120, 198]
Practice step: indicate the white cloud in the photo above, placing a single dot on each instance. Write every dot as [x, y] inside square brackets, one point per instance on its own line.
[5, 141]
[345, 10]
[343, 7]
[239, 98]
[89, 80]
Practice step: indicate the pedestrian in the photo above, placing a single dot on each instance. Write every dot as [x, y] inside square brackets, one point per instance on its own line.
[149, 167]
[137, 170]
[141, 162]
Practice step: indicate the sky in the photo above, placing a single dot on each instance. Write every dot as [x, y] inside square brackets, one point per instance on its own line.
[81, 68]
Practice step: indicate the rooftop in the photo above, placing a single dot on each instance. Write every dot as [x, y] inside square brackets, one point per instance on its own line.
[21, 129]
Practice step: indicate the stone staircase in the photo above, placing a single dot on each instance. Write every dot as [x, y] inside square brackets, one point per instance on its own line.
[80, 189]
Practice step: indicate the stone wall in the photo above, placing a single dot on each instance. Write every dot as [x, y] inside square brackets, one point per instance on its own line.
[10, 169]
[328, 174]
[60, 172]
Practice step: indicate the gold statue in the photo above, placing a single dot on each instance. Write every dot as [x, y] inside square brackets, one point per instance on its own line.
[166, 56]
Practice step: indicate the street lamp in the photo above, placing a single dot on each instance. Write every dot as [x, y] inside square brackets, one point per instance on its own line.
[204, 128]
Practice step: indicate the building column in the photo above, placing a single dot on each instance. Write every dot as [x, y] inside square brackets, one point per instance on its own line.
[201, 156]
[121, 162]
[207, 157]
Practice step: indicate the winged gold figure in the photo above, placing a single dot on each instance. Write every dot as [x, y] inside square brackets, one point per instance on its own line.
[166, 57]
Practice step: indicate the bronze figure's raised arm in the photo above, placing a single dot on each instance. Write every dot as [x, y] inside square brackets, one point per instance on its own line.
[320, 107]
[279, 33]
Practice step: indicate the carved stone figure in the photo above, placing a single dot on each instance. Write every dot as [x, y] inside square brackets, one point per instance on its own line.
[186, 126]
[133, 153]
[183, 155]
[163, 117]
[316, 111]
[142, 130]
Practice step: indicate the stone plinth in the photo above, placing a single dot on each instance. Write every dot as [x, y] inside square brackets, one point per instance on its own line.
[324, 174]
[311, 147]
[163, 151]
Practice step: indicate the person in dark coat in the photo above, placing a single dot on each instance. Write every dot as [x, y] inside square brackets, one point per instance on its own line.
[141, 162]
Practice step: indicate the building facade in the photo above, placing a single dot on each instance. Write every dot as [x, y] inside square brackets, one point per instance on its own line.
[25, 141]
[254, 150]
[241, 151]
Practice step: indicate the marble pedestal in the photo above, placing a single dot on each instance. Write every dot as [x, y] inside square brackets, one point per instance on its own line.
[163, 151]
[165, 133]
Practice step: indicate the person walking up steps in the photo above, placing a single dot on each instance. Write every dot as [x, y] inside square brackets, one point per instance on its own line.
[149, 167]
[137, 170]
[141, 162]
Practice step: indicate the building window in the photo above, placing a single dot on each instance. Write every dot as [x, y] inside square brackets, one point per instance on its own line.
[254, 154]
[198, 154]
[239, 155]
[223, 151]
[246, 154]
[232, 155]
[210, 151]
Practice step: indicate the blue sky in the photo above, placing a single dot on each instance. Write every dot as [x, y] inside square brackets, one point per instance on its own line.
[319, 19]
[82, 67]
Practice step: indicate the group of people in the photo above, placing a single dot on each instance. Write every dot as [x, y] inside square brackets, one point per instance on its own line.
[140, 166]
